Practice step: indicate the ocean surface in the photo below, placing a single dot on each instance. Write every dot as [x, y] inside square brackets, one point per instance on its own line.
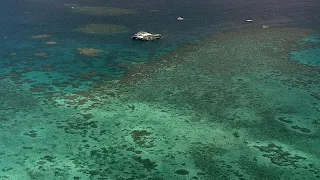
[216, 98]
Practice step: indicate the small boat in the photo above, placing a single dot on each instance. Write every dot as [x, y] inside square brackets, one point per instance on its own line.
[146, 36]
[248, 20]
[180, 18]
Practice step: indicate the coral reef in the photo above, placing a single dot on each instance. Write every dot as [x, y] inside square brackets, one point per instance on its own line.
[197, 113]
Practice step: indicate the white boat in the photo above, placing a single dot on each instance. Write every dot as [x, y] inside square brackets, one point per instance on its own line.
[248, 20]
[146, 36]
[180, 18]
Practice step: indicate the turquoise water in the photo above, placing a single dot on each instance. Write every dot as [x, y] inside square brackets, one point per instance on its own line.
[310, 54]
[215, 98]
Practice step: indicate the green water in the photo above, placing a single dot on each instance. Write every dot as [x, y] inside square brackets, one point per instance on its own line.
[216, 110]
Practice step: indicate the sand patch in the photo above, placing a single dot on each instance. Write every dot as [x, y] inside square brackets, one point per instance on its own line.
[40, 36]
[89, 51]
[51, 42]
[101, 11]
[101, 29]
[41, 54]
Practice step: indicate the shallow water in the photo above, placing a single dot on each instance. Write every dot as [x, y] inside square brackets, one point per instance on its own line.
[215, 98]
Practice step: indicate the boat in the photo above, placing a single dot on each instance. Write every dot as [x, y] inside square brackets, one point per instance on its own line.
[146, 36]
[248, 20]
[180, 18]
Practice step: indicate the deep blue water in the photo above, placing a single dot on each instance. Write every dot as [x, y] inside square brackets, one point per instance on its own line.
[21, 19]
[201, 16]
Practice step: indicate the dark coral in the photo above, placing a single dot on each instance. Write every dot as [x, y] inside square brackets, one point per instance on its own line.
[278, 156]
[182, 172]
[147, 163]
[141, 138]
